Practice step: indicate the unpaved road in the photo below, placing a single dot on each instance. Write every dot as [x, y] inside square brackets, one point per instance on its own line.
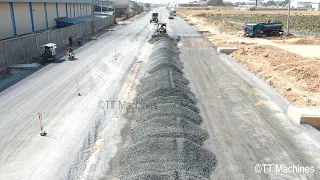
[288, 64]
[245, 118]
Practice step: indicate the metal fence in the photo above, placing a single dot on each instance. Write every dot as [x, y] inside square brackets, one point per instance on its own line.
[22, 49]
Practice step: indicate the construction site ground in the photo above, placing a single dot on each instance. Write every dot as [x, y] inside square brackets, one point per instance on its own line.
[289, 64]
[245, 119]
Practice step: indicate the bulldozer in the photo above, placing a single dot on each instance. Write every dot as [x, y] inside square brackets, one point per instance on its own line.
[161, 29]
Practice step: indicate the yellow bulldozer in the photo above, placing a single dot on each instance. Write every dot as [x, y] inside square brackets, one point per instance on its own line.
[161, 29]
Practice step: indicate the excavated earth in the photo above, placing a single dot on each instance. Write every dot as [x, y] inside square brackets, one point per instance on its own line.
[166, 139]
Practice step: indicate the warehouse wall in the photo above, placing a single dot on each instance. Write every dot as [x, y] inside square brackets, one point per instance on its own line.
[21, 49]
[23, 20]
[71, 10]
[78, 10]
[22, 17]
[51, 10]
[62, 9]
[38, 16]
[89, 9]
[6, 29]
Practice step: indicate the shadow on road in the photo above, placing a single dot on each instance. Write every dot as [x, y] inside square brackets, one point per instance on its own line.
[17, 75]
[50, 136]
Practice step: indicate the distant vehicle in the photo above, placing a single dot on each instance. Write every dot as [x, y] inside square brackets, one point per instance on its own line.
[171, 16]
[174, 12]
[263, 29]
[154, 18]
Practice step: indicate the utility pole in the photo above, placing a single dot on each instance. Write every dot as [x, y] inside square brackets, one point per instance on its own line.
[288, 19]
[93, 21]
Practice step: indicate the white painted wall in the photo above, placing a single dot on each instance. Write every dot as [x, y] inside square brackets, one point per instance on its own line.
[52, 14]
[62, 9]
[89, 9]
[82, 10]
[39, 16]
[70, 12]
[77, 10]
[85, 9]
[6, 29]
[22, 16]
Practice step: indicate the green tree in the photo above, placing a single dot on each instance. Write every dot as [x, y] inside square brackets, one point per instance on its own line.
[286, 1]
[137, 8]
[216, 3]
[148, 5]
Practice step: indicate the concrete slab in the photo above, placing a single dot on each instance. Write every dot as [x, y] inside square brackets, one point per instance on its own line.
[305, 115]
[26, 66]
[226, 50]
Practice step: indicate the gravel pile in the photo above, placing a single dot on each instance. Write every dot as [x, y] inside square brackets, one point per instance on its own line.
[165, 72]
[169, 126]
[166, 141]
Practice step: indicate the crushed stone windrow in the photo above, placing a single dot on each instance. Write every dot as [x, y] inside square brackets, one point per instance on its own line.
[166, 140]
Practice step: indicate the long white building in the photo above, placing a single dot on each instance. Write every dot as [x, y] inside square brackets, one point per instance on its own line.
[18, 17]
[305, 4]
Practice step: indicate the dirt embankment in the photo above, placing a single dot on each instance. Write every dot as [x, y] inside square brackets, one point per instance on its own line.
[289, 64]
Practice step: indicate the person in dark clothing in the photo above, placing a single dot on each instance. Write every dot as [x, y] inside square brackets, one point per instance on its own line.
[70, 41]
[70, 50]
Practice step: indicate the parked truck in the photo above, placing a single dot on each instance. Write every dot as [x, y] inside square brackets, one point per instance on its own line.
[263, 29]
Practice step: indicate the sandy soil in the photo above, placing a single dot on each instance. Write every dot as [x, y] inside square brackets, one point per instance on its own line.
[289, 64]
[226, 10]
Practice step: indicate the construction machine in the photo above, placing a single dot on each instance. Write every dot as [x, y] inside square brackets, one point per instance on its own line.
[171, 15]
[161, 30]
[263, 29]
[154, 18]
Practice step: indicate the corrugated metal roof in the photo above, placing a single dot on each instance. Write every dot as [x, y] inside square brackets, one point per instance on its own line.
[72, 21]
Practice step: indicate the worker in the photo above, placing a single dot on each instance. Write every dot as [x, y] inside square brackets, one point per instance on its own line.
[47, 53]
[269, 21]
[70, 50]
[70, 41]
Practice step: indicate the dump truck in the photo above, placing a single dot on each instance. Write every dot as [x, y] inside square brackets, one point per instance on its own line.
[263, 29]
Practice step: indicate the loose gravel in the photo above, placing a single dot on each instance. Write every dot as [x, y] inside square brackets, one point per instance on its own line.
[166, 140]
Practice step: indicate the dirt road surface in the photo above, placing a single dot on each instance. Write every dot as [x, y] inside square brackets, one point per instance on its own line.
[245, 117]
[289, 64]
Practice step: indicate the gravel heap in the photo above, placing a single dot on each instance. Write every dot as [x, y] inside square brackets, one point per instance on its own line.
[166, 141]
